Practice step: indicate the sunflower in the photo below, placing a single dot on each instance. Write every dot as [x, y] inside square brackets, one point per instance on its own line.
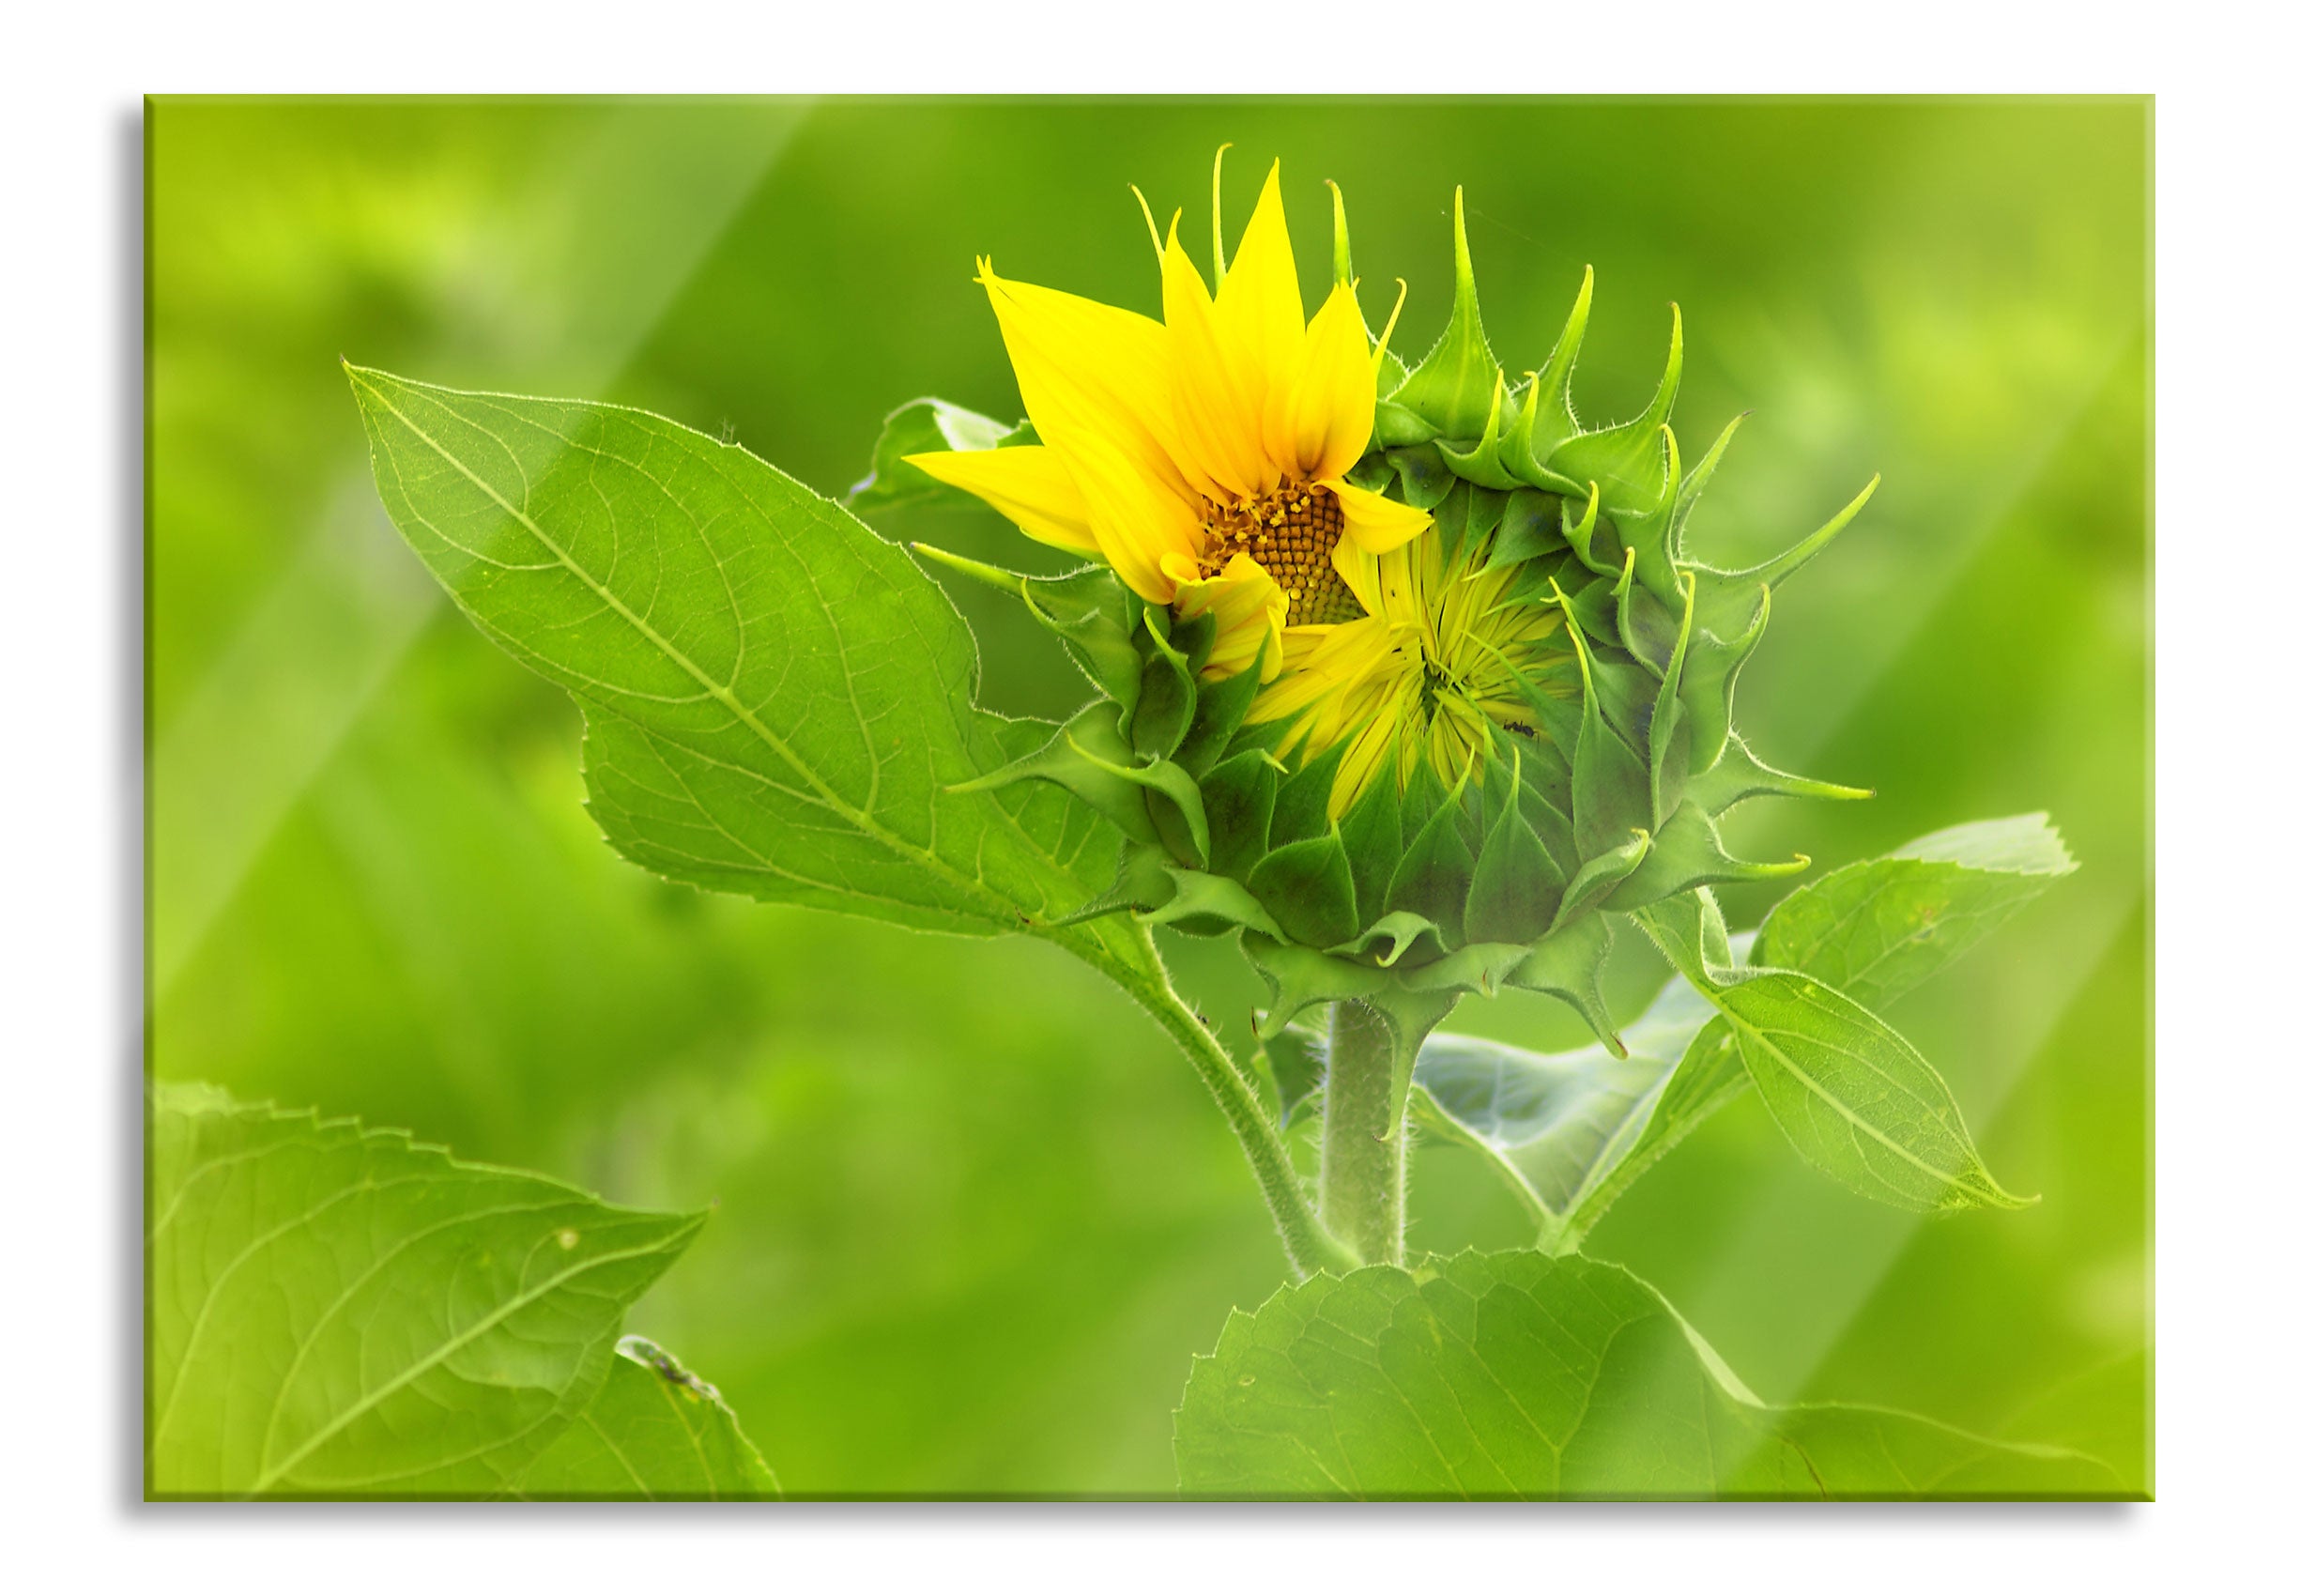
[1450, 655]
[1202, 457]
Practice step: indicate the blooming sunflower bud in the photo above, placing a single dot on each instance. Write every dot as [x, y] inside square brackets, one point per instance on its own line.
[1407, 676]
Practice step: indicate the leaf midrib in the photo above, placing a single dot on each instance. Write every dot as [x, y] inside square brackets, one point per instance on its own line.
[993, 906]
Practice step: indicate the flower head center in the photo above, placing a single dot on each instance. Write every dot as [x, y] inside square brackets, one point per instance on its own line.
[1290, 534]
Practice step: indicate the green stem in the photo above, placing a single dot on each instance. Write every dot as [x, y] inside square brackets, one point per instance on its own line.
[1361, 1176]
[1309, 1247]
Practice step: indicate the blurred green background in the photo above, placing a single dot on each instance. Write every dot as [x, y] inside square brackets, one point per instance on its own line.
[973, 1214]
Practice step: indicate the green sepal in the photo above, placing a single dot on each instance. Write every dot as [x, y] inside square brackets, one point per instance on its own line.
[1689, 491]
[1515, 886]
[1373, 471]
[1402, 929]
[1221, 710]
[1712, 665]
[1397, 427]
[1373, 834]
[1411, 1015]
[1482, 464]
[1168, 702]
[1208, 906]
[1630, 460]
[1465, 516]
[1687, 853]
[1238, 795]
[1450, 389]
[1644, 534]
[1300, 812]
[1423, 480]
[1516, 450]
[1548, 419]
[1087, 609]
[1649, 625]
[1531, 525]
[1545, 795]
[1306, 888]
[1089, 756]
[1569, 966]
[1300, 976]
[1782, 566]
[1690, 931]
[1626, 692]
[1144, 882]
[1609, 781]
[1740, 775]
[1580, 532]
[1596, 879]
[1668, 736]
[1434, 876]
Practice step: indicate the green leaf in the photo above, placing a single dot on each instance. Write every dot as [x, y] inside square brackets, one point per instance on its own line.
[777, 700]
[923, 426]
[1873, 930]
[1876, 929]
[655, 1432]
[1859, 1102]
[1519, 1375]
[1561, 1121]
[337, 1312]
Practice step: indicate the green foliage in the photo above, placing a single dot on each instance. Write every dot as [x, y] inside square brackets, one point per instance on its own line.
[1557, 1124]
[371, 886]
[1876, 929]
[1518, 1375]
[921, 425]
[1856, 1100]
[654, 1431]
[777, 701]
[336, 1311]
[1571, 1131]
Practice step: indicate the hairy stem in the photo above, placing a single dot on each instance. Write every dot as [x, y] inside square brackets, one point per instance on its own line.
[1310, 1246]
[1361, 1176]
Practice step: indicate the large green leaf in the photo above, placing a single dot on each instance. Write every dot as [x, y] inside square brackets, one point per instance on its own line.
[777, 698]
[654, 1431]
[1878, 927]
[1522, 1375]
[334, 1310]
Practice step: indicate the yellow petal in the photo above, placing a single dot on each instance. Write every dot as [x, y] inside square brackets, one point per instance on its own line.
[1324, 667]
[1375, 524]
[1217, 435]
[1137, 523]
[1089, 370]
[1360, 573]
[1248, 610]
[1260, 313]
[1333, 393]
[1030, 486]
